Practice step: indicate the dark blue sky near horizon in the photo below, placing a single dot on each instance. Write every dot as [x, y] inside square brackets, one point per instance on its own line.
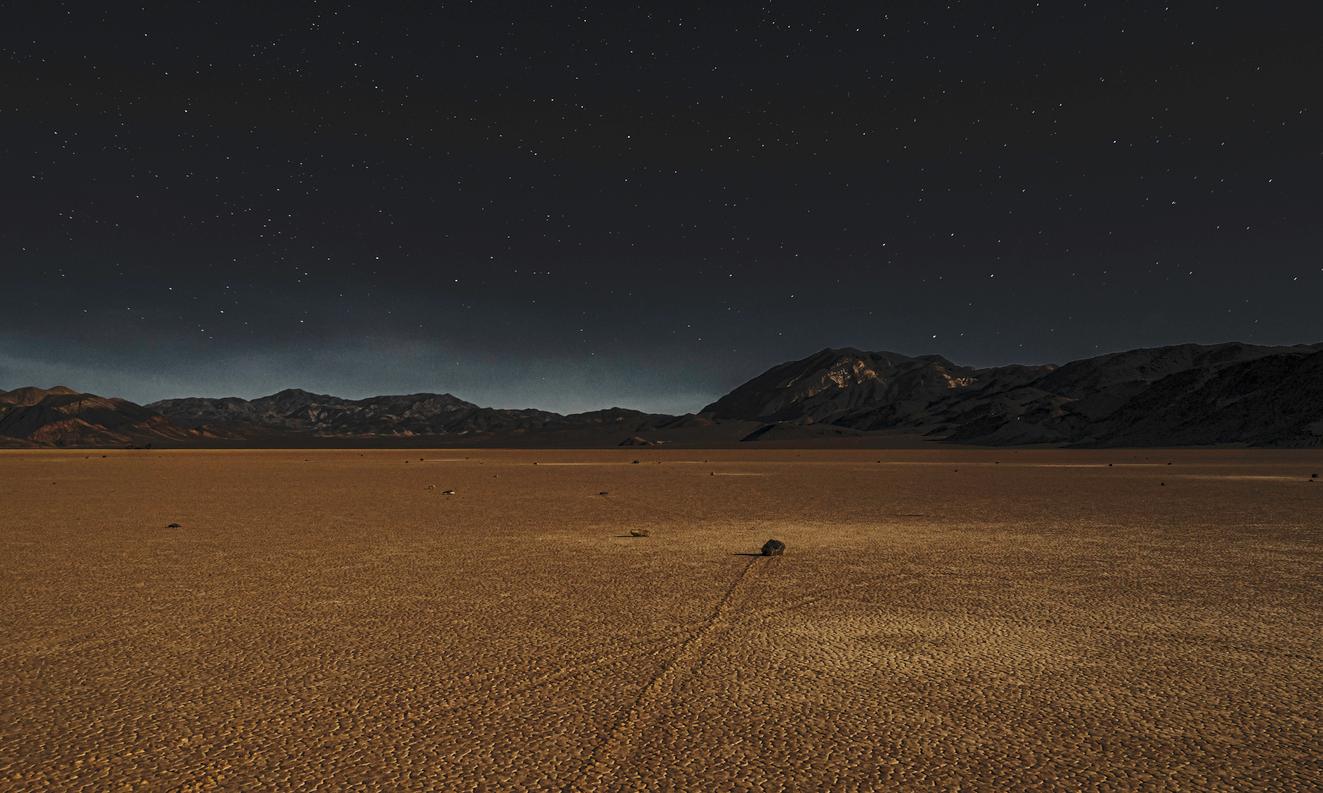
[571, 206]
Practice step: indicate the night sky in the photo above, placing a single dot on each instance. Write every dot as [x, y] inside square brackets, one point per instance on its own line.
[571, 206]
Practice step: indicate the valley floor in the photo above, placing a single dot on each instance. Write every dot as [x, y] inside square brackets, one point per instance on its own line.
[990, 619]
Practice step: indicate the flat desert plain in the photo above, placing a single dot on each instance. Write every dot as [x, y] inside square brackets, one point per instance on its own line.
[941, 619]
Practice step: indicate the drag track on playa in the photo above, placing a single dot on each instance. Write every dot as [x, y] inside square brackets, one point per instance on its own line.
[992, 619]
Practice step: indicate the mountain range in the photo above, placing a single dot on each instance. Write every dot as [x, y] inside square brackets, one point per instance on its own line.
[1224, 394]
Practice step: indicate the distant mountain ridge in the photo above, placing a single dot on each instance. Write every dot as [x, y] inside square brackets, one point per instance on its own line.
[60, 416]
[865, 390]
[295, 411]
[1234, 394]
[1180, 395]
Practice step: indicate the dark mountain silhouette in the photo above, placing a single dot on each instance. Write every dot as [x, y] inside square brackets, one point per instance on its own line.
[1189, 394]
[1182, 395]
[863, 390]
[299, 413]
[63, 417]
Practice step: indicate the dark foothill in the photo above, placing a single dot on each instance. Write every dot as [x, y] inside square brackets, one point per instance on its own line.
[773, 548]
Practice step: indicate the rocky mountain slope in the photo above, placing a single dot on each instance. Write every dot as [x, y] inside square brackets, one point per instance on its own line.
[1182, 395]
[296, 412]
[63, 417]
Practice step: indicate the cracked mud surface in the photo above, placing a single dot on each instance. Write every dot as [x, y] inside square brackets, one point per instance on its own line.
[985, 619]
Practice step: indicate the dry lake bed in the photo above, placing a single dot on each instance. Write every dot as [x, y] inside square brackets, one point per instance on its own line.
[941, 619]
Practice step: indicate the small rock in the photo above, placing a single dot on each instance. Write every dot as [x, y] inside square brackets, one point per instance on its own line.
[1313, 476]
[636, 462]
[604, 493]
[173, 526]
[639, 533]
[773, 548]
[447, 492]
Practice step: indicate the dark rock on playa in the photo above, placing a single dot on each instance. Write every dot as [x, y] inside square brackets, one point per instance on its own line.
[773, 548]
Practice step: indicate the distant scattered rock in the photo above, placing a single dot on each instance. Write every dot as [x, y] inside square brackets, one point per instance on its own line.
[635, 462]
[604, 493]
[447, 492]
[173, 526]
[773, 548]
[639, 533]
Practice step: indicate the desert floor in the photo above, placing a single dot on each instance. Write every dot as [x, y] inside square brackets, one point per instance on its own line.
[941, 618]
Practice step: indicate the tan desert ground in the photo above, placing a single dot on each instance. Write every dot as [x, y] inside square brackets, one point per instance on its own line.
[941, 619]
